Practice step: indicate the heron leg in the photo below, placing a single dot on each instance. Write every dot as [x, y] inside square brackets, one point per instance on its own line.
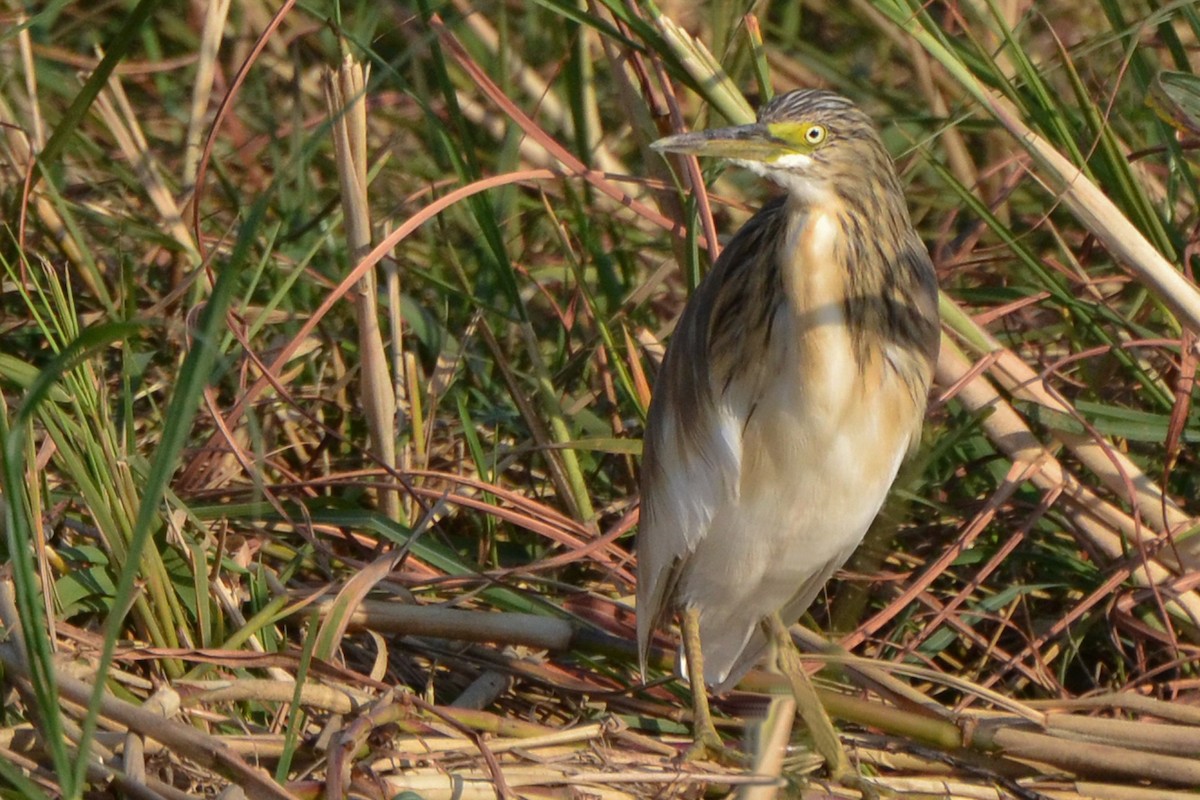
[706, 741]
[808, 703]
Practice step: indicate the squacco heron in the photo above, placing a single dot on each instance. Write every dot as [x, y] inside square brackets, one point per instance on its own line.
[793, 386]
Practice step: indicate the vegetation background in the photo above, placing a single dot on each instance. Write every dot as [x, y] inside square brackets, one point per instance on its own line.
[323, 392]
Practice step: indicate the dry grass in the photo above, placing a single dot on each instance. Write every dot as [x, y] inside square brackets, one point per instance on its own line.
[224, 268]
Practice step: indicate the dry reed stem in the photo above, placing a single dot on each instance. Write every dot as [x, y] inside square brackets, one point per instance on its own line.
[1108, 791]
[769, 742]
[345, 96]
[510, 628]
[726, 98]
[1106, 527]
[1067, 183]
[323, 697]
[539, 92]
[1125, 701]
[20, 154]
[184, 740]
[37, 126]
[1114, 468]
[121, 121]
[215, 15]
[1092, 748]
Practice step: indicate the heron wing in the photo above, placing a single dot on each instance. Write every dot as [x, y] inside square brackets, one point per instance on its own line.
[691, 459]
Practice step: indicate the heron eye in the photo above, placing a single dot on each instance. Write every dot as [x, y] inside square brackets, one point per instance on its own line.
[815, 134]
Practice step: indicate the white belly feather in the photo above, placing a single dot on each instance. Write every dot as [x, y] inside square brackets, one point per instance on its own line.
[827, 428]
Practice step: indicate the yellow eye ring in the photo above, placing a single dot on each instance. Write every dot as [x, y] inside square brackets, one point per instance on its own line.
[816, 134]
